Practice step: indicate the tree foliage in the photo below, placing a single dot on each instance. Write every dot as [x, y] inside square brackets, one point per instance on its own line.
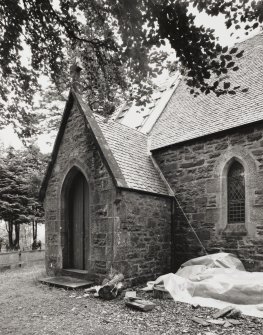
[21, 173]
[119, 44]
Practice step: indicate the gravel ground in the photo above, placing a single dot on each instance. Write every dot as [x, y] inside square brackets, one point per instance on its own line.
[28, 308]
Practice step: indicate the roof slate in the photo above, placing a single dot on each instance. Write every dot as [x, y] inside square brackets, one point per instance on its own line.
[129, 148]
[186, 117]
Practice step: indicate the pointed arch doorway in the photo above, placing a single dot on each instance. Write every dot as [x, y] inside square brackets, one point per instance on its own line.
[76, 248]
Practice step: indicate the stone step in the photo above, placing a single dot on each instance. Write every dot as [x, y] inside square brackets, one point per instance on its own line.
[77, 273]
[67, 282]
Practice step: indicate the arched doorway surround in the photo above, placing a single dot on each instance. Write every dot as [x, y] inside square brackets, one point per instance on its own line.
[75, 220]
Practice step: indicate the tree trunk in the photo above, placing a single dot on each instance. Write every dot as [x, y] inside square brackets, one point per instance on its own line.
[34, 244]
[9, 228]
[34, 225]
[17, 236]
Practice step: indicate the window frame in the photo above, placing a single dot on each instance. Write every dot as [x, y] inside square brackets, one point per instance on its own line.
[236, 188]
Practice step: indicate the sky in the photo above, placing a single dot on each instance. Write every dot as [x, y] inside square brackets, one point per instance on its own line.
[45, 141]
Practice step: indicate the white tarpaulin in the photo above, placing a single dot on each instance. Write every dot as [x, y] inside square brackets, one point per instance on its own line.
[217, 280]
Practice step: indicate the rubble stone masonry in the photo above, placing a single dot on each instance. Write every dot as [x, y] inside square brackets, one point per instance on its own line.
[197, 172]
[143, 236]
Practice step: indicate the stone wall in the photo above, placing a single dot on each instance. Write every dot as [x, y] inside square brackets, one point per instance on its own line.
[20, 258]
[143, 236]
[197, 172]
[78, 149]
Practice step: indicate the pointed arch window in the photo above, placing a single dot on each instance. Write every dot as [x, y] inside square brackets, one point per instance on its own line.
[236, 193]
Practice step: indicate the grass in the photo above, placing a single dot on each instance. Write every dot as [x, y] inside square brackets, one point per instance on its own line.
[29, 273]
[31, 308]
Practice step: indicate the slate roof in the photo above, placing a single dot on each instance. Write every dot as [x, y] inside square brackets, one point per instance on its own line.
[186, 117]
[129, 148]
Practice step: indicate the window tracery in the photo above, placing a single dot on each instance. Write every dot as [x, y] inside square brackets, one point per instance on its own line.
[236, 193]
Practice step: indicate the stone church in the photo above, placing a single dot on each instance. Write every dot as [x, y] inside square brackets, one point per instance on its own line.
[143, 196]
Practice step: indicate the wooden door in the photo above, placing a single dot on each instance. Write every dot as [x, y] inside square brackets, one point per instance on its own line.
[78, 221]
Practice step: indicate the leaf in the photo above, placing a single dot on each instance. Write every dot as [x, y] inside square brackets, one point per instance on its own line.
[216, 83]
[224, 50]
[228, 57]
[228, 23]
[235, 68]
[223, 63]
[231, 64]
[234, 50]
[226, 85]
[244, 90]
[240, 54]
[218, 48]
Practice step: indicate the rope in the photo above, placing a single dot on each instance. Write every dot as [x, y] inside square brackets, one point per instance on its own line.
[198, 239]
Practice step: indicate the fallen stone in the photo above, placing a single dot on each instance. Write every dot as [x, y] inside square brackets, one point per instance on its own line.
[216, 322]
[234, 314]
[222, 312]
[200, 321]
[141, 305]
[130, 294]
[234, 322]
[227, 324]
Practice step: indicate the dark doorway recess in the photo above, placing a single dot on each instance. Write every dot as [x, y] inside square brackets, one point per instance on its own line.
[77, 219]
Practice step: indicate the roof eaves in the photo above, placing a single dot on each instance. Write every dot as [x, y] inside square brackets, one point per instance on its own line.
[154, 193]
[204, 136]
